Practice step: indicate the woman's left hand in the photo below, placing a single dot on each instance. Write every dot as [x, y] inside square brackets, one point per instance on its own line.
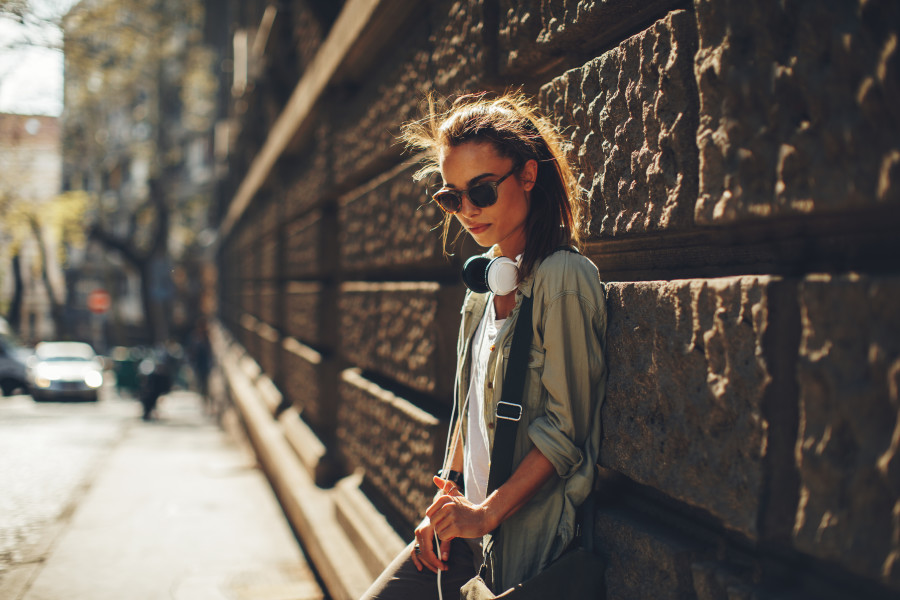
[453, 516]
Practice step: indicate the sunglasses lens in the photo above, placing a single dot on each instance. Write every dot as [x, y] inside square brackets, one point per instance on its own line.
[449, 201]
[483, 195]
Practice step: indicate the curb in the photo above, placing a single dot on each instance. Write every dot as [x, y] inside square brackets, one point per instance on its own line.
[347, 540]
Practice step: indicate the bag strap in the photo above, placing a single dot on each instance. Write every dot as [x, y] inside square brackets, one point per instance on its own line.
[511, 405]
[512, 402]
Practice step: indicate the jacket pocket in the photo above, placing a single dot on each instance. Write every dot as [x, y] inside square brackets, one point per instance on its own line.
[534, 400]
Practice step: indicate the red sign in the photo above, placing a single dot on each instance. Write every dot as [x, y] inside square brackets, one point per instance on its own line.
[98, 301]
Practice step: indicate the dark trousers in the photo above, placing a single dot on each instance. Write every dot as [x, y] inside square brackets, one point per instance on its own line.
[401, 580]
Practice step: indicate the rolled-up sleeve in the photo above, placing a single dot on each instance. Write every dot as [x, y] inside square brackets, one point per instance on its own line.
[572, 373]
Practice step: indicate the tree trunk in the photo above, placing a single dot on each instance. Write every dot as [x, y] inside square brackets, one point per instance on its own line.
[57, 304]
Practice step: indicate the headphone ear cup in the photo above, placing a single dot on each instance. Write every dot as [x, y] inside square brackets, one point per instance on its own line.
[474, 274]
[502, 275]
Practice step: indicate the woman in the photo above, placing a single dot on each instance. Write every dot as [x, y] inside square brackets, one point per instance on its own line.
[506, 181]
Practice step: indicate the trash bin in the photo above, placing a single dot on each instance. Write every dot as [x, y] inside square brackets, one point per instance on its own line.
[125, 367]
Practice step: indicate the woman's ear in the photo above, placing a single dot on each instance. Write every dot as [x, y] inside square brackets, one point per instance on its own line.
[528, 175]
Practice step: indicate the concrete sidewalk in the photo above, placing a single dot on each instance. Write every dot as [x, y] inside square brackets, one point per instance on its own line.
[177, 510]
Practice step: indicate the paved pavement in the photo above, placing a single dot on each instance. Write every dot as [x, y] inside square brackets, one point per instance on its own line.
[173, 509]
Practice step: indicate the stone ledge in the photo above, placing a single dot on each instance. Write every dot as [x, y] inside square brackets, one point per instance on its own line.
[376, 540]
[329, 539]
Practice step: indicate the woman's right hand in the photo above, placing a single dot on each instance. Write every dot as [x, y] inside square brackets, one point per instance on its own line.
[426, 556]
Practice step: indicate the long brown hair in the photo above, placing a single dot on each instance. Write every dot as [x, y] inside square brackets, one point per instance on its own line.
[512, 124]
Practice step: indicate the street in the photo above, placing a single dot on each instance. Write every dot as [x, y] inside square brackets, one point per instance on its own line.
[97, 504]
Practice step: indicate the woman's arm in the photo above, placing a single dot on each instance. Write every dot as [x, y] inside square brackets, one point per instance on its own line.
[424, 533]
[453, 516]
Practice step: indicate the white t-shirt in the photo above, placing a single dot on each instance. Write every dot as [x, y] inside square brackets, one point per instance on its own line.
[477, 455]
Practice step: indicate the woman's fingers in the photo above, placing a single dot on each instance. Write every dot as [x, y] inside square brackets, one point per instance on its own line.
[436, 506]
[440, 513]
[428, 558]
[445, 550]
[414, 554]
[423, 551]
[452, 516]
[446, 486]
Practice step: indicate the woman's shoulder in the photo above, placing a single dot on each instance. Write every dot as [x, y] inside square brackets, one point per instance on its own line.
[569, 272]
[565, 264]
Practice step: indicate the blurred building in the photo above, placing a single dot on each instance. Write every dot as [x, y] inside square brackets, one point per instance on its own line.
[31, 166]
[138, 138]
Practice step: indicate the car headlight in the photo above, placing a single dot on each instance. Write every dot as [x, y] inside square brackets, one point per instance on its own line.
[41, 382]
[93, 379]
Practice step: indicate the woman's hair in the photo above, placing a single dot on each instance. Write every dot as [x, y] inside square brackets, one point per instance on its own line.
[517, 131]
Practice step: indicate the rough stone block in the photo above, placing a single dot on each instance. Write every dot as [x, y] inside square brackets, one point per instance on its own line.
[367, 128]
[848, 448]
[405, 331]
[309, 381]
[307, 251]
[268, 257]
[459, 54]
[630, 118]
[685, 402]
[387, 226]
[535, 32]
[643, 561]
[310, 176]
[304, 318]
[270, 215]
[249, 299]
[268, 303]
[798, 107]
[268, 349]
[248, 264]
[309, 33]
[718, 581]
[520, 26]
[247, 252]
[397, 444]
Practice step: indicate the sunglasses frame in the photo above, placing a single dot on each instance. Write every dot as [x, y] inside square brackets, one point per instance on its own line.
[458, 194]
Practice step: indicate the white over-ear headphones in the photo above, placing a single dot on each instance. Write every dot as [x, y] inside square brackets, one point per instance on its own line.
[499, 275]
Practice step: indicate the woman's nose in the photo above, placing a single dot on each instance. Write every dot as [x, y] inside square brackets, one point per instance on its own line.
[466, 207]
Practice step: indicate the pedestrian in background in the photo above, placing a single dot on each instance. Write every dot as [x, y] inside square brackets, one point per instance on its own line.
[200, 355]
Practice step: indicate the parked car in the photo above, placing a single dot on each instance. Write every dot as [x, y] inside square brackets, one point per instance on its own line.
[13, 357]
[64, 370]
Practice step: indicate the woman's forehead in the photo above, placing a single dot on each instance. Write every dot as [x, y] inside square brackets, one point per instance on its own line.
[483, 149]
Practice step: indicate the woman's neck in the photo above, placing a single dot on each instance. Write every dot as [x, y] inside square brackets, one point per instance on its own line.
[510, 250]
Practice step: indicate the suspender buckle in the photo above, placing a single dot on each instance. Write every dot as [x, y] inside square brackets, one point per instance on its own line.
[509, 411]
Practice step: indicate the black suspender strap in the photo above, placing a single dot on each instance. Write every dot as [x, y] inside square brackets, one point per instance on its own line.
[510, 407]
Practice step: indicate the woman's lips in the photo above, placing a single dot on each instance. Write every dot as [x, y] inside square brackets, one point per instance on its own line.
[478, 228]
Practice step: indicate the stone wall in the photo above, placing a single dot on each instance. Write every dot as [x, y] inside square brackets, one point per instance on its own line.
[741, 161]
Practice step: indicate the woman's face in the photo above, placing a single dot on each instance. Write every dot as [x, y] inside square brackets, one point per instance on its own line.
[503, 223]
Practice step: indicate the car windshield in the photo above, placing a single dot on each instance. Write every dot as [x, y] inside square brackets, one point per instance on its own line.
[64, 352]
[65, 359]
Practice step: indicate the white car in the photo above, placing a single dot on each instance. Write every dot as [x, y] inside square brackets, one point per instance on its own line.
[63, 370]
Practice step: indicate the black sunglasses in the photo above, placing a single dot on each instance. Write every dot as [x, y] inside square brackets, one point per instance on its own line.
[482, 195]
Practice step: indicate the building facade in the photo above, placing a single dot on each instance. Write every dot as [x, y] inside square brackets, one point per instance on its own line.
[742, 165]
[137, 137]
[31, 160]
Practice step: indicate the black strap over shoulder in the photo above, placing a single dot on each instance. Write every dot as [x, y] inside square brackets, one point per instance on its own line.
[512, 401]
[510, 407]
[510, 410]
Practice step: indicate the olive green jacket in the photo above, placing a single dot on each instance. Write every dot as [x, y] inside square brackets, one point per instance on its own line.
[564, 389]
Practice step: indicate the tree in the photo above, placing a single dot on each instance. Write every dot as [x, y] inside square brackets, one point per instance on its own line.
[53, 226]
[139, 92]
